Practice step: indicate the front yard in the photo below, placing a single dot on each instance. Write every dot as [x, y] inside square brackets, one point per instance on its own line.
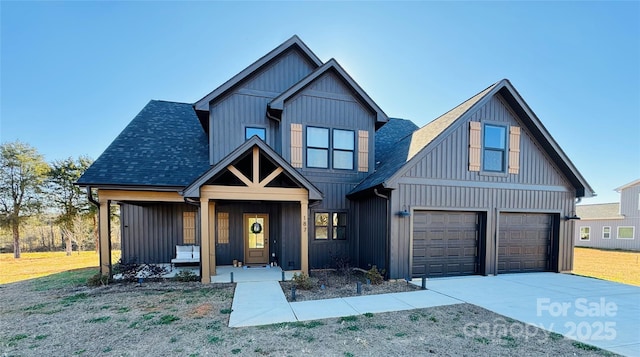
[57, 316]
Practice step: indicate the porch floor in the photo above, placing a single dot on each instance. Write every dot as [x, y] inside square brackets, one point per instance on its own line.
[247, 274]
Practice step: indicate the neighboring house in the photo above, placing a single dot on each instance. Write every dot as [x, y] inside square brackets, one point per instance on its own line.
[290, 161]
[611, 225]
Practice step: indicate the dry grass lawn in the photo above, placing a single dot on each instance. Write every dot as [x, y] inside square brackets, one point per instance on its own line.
[35, 265]
[613, 265]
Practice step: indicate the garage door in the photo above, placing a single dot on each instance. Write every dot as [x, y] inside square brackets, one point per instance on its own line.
[524, 241]
[444, 243]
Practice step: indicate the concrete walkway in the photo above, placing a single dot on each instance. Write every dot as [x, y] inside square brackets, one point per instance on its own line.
[263, 303]
[597, 312]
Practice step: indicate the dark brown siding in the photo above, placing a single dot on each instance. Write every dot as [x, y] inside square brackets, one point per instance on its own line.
[440, 179]
[247, 105]
[289, 250]
[150, 232]
[372, 233]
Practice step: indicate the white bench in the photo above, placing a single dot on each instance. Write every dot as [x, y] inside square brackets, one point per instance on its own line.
[187, 254]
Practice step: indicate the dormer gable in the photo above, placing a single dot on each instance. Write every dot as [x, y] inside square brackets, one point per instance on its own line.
[276, 106]
[294, 43]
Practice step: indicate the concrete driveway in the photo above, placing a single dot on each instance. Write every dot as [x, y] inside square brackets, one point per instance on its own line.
[597, 312]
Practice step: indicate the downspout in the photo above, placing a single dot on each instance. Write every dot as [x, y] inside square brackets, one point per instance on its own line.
[91, 199]
[387, 243]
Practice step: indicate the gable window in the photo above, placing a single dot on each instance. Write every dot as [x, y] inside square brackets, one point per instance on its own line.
[491, 151]
[585, 233]
[343, 147]
[494, 148]
[330, 225]
[318, 147]
[606, 232]
[251, 131]
[626, 232]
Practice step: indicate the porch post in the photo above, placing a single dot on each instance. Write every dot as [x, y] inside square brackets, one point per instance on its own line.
[105, 237]
[304, 236]
[205, 276]
[212, 239]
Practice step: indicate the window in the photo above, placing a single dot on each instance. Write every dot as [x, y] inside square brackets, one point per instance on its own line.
[585, 233]
[494, 148]
[334, 228]
[223, 227]
[188, 227]
[339, 226]
[322, 225]
[343, 147]
[318, 147]
[626, 232]
[251, 131]
[606, 232]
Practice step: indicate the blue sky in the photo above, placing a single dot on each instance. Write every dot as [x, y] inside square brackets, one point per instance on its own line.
[73, 74]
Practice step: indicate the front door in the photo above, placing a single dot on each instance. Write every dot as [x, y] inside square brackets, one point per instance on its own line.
[256, 238]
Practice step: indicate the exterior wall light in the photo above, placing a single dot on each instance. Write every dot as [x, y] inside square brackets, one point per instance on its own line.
[573, 217]
[404, 213]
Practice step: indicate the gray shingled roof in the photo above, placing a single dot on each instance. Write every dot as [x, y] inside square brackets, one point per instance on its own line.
[392, 145]
[400, 152]
[164, 145]
[602, 211]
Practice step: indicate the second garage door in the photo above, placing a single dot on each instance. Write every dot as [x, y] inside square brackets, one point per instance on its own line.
[444, 243]
[524, 242]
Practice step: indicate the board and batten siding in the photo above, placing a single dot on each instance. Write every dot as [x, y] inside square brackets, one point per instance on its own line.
[449, 158]
[329, 103]
[372, 233]
[150, 232]
[440, 179]
[246, 105]
[323, 252]
[231, 116]
[489, 200]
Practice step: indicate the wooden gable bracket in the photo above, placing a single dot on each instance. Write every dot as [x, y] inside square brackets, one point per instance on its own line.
[255, 181]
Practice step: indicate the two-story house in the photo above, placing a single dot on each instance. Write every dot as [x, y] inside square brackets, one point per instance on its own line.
[290, 161]
[611, 225]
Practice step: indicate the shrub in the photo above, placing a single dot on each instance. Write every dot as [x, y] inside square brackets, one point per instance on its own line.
[98, 279]
[186, 276]
[375, 276]
[132, 271]
[302, 281]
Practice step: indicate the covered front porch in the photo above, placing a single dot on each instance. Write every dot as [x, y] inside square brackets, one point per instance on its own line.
[253, 208]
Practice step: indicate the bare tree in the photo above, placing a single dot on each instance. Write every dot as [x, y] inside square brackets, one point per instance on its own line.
[22, 173]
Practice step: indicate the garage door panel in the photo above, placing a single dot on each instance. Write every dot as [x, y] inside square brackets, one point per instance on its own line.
[524, 242]
[449, 240]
